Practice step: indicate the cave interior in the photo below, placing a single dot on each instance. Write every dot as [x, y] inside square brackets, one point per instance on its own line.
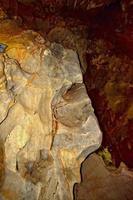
[101, 33]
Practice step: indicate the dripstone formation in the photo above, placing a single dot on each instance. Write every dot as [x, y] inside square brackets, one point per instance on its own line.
[47, 123]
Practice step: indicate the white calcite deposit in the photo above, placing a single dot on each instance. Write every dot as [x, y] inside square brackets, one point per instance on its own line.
[47, 123]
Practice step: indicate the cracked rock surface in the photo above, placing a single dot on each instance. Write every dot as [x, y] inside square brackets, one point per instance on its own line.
[47, 123]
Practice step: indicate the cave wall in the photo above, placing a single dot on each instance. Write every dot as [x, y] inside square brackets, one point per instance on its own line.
[101, 35]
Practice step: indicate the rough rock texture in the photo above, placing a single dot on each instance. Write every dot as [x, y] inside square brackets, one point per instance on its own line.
[56, 5]
[100, 182]
[47, 123]
[112, 96]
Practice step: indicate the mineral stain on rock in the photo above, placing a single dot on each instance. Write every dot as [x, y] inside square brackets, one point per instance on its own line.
[34, 93]
[47, 122]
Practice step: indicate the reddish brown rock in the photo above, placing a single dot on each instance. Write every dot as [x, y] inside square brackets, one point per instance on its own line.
[100, 182]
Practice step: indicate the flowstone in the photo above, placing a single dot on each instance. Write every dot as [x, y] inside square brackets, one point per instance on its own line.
[47, 123]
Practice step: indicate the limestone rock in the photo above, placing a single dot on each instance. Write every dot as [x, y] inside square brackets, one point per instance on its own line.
[72, 39]
[47, 126]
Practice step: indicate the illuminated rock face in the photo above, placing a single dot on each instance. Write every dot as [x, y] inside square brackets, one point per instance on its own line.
[47, 123]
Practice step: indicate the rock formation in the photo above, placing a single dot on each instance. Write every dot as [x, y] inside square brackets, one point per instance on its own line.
[107, 183]
[56, 5]
[47, 123]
